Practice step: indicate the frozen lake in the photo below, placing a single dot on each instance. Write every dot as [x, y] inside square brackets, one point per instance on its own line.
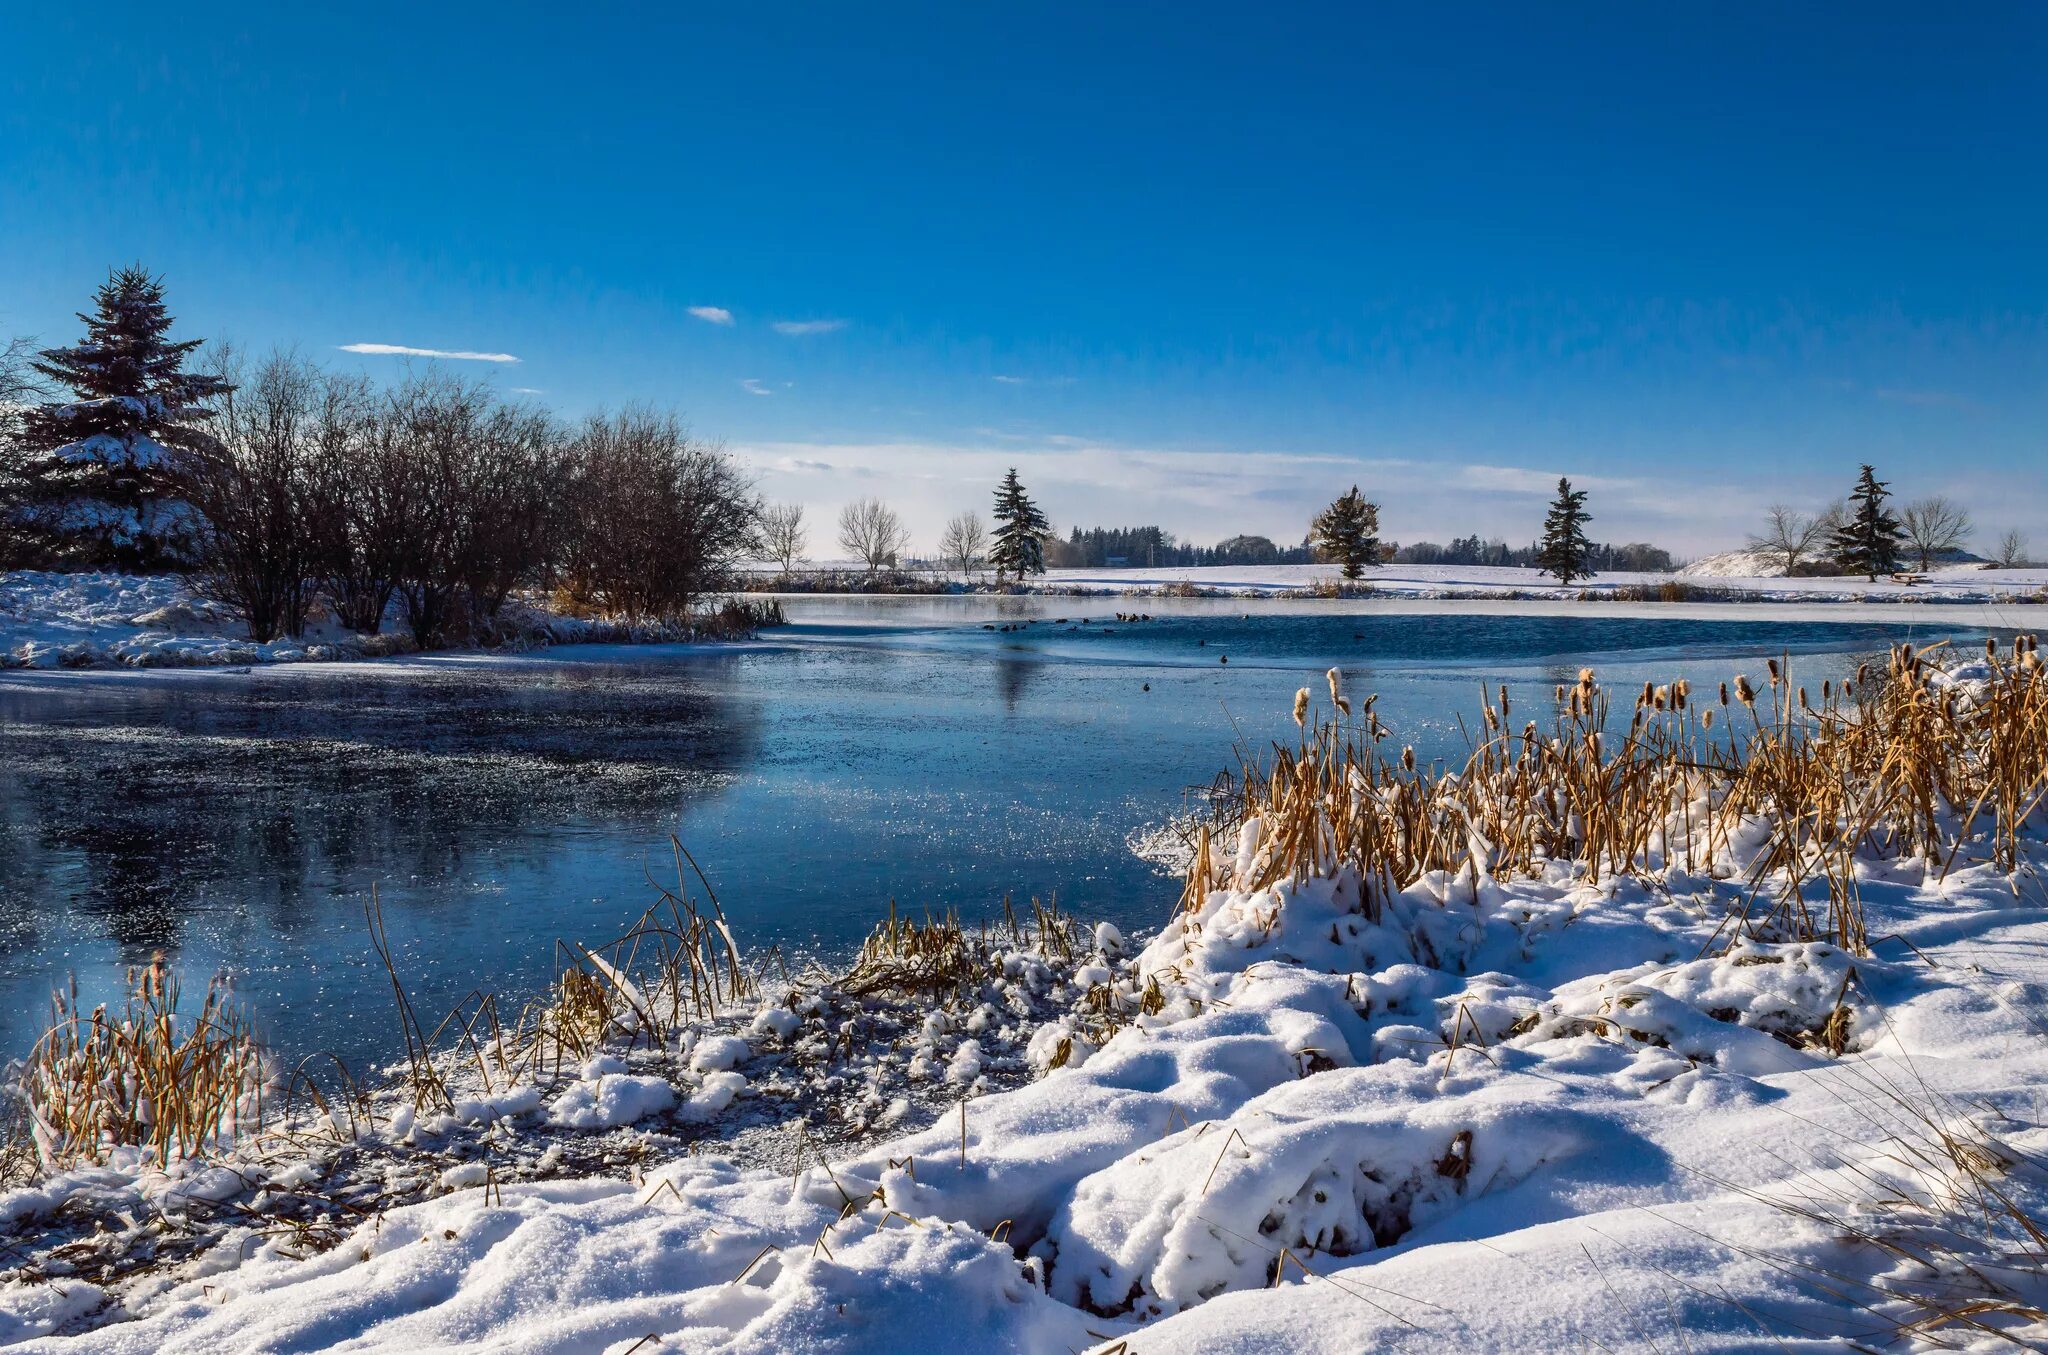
[875, 749]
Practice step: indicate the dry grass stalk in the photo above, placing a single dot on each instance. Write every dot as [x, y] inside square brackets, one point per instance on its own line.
[1906, 762]
[150, 1076]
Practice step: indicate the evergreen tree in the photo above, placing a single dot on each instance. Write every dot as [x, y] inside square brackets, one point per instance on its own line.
[96, 474]
[1348, 531]
[1564, 548]
[1869, 539]
[1019, 543]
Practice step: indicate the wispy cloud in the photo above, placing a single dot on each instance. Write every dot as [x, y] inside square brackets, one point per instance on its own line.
[799, 327]
[527, 390]
[717, 315]
[400, 350]
[753, 386]
[1012, 380]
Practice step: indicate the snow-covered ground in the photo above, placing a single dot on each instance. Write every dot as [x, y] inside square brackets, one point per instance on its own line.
[1479, 1113]
[1738, 574]
[1964, 583]
[86, 620]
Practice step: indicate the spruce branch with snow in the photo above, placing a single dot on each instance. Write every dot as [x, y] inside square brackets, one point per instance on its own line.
[98, 472]
[1347, 532]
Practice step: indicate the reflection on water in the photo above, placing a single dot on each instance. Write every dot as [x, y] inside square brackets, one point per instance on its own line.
[879, 748]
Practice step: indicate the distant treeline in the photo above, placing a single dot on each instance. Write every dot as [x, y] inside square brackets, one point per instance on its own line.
[1155, 548]
[1636, 556]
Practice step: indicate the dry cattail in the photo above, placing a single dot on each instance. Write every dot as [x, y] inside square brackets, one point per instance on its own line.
[1337, 691]
[1301, 708]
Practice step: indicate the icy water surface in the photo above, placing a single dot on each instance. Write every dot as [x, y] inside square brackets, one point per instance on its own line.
[876, 749]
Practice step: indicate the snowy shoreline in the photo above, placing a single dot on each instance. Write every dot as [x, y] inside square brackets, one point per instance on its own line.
[1316, 1111]
[154, 621]
[89, 620]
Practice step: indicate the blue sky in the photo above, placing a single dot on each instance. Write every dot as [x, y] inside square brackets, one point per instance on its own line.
[1196, 266]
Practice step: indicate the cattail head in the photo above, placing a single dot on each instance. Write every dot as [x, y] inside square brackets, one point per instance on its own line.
[1301, 708]
[1772, 664]
[1744, 693]
[1408, 758]
[1337, 698]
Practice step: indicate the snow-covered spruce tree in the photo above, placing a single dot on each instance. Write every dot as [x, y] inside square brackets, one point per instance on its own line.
[1019, 541]
[1348, 532]
[1564, 547]
[96, 474]
[1869, 540]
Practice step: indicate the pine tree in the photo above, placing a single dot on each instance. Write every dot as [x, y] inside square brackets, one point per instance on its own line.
[1868, 541]
[1348, 531]
[96, 474]
[1564, 547]
[1019, 542]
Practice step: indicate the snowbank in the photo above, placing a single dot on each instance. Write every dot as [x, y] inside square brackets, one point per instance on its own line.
[1316, 1112]
[97, 620]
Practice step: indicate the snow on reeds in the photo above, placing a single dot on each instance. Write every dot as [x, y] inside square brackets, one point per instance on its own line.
[1775, 786]
[176, 1083]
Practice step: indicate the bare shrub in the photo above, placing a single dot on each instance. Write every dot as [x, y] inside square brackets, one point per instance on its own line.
[249, 486]
[354, 506]
[657, 518]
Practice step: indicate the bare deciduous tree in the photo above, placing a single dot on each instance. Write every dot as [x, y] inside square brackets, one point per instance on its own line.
[1935, 526]
[19, 381]
[1791, 537]
[783, 535]
[870, 531]
[963, 542]
[2012, 550]
[249, 488]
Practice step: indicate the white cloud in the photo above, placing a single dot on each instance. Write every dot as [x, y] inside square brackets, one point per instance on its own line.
[799, 327]
[405, 351]
[1010, 380]
[753, 387]
[717, 315]
[527, 390]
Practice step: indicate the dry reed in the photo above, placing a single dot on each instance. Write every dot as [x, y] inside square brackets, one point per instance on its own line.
[1908, 760]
